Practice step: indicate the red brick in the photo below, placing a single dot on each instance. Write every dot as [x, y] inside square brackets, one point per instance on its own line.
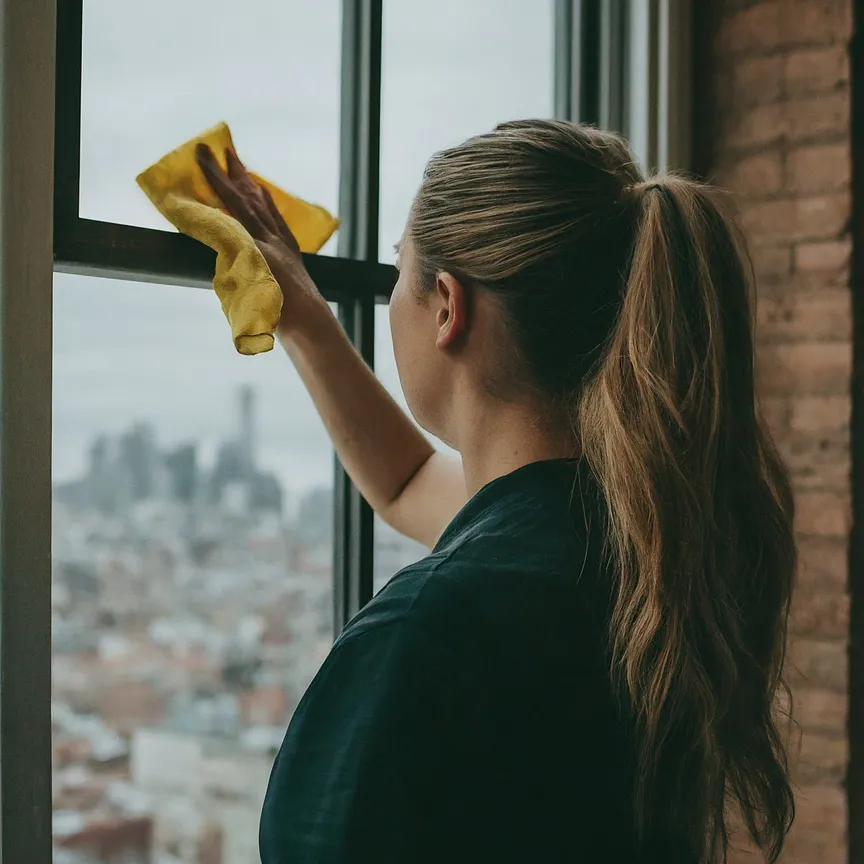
[776, 411]
[816, 70]
[751, 81]
[759, 126]
[831, 256]
[820, 413]
[823, 562]
[817, 117]
[816, 217]
[823, 513]
[830, 474]
[820, 710]
[811, 315]
[753, 176]
[822, 759]
[822, 215]
[816, 612]
[805, 845]
[770, 263]
[819, 168]
[812, 282]
[802, 848]
[822, 368]
[782, 98]
[811, 21]
[754, 29]
[817, 463]
[822, 811]
[817, 663]
[781, 23]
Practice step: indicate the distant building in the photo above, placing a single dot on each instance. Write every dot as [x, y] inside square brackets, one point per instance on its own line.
[182, 466]
[79, 840]
[314, 521]
[129, 468]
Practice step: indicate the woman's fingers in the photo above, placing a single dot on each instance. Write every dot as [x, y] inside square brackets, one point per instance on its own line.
[279, 223]
[217, 178]
[232, 195]
[252, 192]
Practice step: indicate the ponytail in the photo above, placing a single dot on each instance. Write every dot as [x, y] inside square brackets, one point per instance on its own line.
[629, 304]
[699, 526]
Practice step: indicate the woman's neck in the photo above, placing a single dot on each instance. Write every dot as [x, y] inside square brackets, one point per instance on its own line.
[496, 442]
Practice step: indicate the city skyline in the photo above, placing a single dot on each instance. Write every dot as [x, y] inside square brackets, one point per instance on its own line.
[134, 465]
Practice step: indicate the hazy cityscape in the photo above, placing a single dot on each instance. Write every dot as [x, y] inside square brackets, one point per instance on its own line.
[190, 612]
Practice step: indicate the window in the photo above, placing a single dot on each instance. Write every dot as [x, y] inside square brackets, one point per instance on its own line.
[192, 572]
[449, 73]
[139, 101]
[123, 381]
[197, 576]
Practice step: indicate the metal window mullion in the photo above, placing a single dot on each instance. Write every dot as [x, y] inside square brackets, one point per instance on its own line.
[353, 562]
[674, 104]
[659, 51]
[27, 63]
[612, 44]
[653, 157]
[577, 50]
[585, 39]
[565, 75]
[67, 116]
[358, 239]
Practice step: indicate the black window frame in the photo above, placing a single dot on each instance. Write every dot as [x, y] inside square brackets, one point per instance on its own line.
[354, 280]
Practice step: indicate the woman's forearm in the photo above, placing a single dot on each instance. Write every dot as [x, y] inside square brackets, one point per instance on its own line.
[396, 469]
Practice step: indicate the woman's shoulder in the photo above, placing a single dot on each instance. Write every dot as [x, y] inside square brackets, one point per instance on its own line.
[486, 584]
[419, 598]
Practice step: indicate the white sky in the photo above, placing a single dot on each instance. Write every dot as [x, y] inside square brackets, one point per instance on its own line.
[127, 352]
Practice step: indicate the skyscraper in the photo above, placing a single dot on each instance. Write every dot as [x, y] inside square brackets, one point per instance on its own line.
[247, 429]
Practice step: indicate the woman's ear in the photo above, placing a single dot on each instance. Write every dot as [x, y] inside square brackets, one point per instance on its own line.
[452, 310]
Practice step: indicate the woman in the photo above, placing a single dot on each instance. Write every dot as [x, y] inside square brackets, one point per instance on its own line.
[584, 668]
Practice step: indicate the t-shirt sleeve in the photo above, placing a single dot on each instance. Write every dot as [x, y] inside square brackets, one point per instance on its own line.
[355, 777]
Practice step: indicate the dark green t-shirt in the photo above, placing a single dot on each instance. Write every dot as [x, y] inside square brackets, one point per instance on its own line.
[466, 714]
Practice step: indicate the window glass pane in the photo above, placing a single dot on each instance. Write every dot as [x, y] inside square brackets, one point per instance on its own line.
[155, 74]
[453, 69]
[392, 550]
[192, 575]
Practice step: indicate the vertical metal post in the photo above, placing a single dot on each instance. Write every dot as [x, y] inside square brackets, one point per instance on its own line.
[675, 74]
[653, 157]
[577, 48]
[362, 22]
[586, 66]
[564, 70]
[67, 116]
[612, 93]
[27, 63]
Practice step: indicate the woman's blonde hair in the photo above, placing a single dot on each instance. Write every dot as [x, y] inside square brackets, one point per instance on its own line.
[630, 304]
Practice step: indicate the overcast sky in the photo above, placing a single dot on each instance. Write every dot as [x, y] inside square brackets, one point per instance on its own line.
[127, 352]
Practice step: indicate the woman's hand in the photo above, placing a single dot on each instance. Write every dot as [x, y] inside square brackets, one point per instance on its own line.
[253, 207]
[413, 488]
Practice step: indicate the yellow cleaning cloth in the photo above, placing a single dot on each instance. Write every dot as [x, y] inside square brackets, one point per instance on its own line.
[251, 299]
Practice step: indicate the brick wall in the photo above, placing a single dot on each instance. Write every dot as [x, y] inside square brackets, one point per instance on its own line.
[780, 140]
